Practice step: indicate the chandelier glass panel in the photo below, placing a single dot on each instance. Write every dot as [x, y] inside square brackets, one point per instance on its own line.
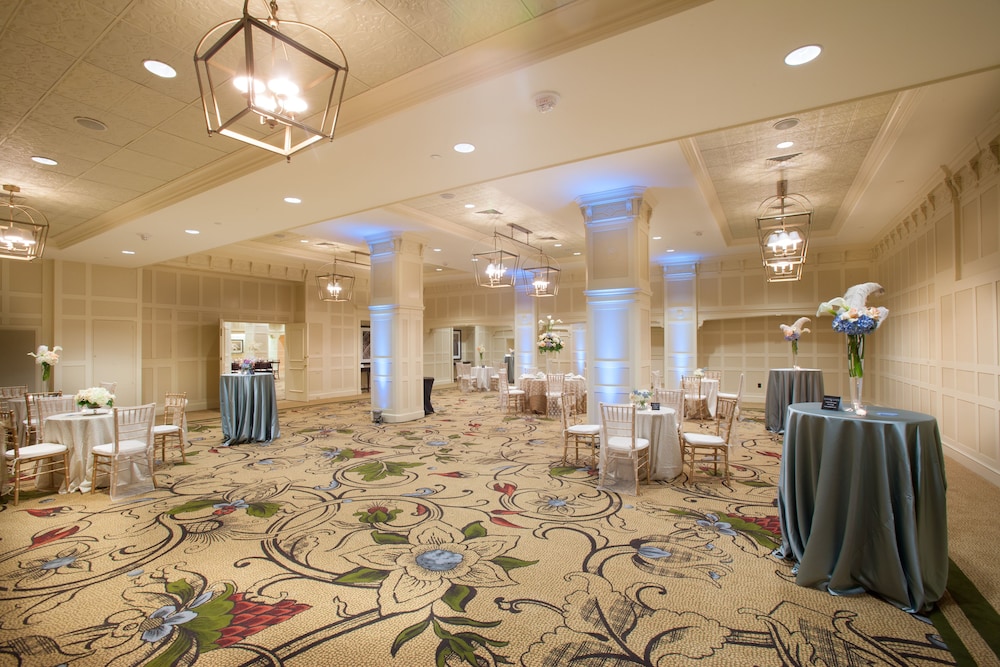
[543, 278]
[783, 223]
[23, 230]
[274, 85]
[499, 267]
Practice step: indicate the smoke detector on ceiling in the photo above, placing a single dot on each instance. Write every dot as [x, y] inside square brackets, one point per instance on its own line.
[546, 101]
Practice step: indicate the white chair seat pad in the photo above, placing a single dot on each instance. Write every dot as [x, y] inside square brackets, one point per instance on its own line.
[624, 444]
[704, 439]
[584, 429]
[516, 392]
[39, 450]
[165, 428]
[124, 447]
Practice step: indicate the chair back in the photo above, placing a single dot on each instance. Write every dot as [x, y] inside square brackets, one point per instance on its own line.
[174, 405]
[112, 387]
[48, 406]
[134, 423]
[656, 380]
[554, 383]
[504, 385]
[714, 375]
[7, 393]
[8, 431]
[31, 414]
[672, 398]
[618, 421]
[691, 385]
[725, 418]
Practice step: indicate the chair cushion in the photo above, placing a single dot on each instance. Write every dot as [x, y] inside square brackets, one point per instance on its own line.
[40, 450]
[165, 428]
[622, 443]
[124, 447]
[516, 392]
[704, 439]
[584, 429]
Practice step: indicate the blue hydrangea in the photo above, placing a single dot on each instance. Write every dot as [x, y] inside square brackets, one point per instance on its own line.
[864, 324]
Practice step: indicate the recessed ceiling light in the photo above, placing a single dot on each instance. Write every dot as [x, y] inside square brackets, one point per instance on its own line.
[303, 240]
[160, 69]
[437, 249]
[575, 254]
[191, 231]
[657, 238]
[292, 200]
[464, 148]
[557, 245]
[128, 252]
[785, 144]
[439, 269]
[470, 206]
[41, 159]
[670, 249]
[803, 55]
[90, 123]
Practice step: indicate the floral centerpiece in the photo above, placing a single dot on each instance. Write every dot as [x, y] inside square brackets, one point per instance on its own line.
[641, 397]
[481, 349]
[46, 358]
[792, 334]
[94, 398]
[852, 316]
[699, 372]
[548, 340]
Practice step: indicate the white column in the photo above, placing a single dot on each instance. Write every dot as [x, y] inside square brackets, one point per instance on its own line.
[397, 318]
[680, 323]
[618, 295]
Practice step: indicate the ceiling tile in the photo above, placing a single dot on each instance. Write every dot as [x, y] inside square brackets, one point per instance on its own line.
[95, 86]
[70, 26]
[60, 112]
[182, 23]
[25, 59]
[45, 138]
[147, 107]
[173, 148]
[147, 165]
[391, 58]
[124, 178]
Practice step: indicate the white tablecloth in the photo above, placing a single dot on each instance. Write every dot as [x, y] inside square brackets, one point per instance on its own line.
[80, 433]
[535, 390]
[710, 390]
[481, 377]
[660, 428]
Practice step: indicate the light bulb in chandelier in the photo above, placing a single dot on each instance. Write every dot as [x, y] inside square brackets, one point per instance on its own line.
[334, 288]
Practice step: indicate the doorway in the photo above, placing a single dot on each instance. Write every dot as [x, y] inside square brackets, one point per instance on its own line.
[258, 342]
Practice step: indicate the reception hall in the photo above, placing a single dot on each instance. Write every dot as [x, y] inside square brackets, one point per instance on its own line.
[369, 337]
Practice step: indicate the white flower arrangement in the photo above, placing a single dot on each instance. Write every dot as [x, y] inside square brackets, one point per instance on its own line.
[548, 340]
[794, 332]
[95, 397]
[46, 358]
[641, 396]
[699, 372]
[481, 349]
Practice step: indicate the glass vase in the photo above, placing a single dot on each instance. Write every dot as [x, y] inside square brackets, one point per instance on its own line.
[795, 354]
[856, 371]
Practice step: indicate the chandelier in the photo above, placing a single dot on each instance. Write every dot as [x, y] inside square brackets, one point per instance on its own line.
[783, 232]
[274, 85]
[543, 278]
[497, 267]
[334, 286]
[23, 230]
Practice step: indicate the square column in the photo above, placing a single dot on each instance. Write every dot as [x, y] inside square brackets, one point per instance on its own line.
[680, 322]
[397, 321]
[618, 296]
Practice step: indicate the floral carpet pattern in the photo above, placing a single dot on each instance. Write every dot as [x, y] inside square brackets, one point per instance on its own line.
[458, 539]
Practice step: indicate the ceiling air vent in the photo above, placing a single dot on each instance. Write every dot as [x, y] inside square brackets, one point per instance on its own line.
[489, 211]
[780, 159]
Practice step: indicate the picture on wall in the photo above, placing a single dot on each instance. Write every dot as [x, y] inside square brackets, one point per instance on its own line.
[236, 346]
[456, 344]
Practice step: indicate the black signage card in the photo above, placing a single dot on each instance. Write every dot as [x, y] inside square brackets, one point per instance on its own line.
[831, 403]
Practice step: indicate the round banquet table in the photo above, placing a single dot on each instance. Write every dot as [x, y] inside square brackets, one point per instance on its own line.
[80, 433]
[660, 428]
[481, 377]
[861, 501]
[790, 385]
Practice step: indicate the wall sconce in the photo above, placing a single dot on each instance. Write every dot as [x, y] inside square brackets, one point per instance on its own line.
[783, 232]
[23, 230]
[262, 87]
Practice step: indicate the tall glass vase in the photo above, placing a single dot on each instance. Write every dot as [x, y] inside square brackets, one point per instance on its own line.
[856, 371]
[795, 354]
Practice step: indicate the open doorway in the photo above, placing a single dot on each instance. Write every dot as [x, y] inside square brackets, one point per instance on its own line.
[261, 343]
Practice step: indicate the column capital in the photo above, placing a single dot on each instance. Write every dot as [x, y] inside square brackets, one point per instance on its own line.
[621, 205]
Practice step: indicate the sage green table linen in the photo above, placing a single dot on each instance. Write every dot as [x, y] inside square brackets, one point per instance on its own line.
[786, 386]
[248, 407]
[861, 501]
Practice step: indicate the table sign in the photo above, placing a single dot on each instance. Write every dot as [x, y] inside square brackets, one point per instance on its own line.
[654, 406]
[831, 403]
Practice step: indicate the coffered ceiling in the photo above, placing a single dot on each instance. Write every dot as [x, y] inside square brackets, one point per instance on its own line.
[677, 96]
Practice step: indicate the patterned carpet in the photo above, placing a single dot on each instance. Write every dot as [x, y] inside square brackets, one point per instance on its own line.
[459, 539]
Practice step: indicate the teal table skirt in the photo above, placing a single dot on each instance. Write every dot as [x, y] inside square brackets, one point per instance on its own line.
[786, 386]
[861, 502]
[249, 408]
